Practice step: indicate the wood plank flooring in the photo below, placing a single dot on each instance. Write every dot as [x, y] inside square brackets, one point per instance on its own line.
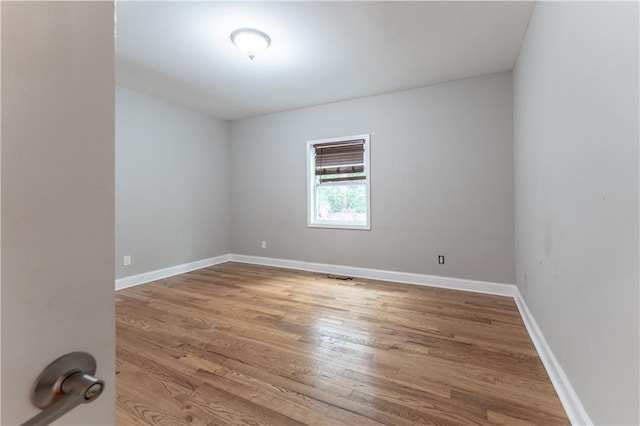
[244, 344]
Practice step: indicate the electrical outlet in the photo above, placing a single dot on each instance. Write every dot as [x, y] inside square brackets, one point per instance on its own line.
[264, 244]
[126, 261]
[440, 260]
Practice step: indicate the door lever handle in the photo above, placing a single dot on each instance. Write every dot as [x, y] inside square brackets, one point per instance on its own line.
[66, 383]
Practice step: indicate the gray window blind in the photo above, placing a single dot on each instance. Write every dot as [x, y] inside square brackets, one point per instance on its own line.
[340, 161]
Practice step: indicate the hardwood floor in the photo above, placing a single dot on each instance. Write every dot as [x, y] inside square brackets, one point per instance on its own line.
[244, 344]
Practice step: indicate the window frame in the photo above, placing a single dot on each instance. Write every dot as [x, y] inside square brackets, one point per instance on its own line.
[312, 221]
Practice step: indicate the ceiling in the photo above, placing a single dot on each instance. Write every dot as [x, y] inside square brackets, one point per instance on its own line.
[321, 52]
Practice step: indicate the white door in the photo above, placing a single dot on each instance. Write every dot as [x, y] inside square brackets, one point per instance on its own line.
[56, 199]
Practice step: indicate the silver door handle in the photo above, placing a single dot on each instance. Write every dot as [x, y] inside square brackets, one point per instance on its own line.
[66, 383]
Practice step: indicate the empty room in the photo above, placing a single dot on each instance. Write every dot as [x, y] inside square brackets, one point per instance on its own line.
[321, 213]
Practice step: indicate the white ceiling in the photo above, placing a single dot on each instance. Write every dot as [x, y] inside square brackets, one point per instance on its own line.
[321, 52]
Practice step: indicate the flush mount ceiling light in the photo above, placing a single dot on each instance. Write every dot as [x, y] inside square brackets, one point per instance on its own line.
[250, 41]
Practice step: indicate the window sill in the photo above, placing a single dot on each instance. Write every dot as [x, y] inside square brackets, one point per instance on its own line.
[334, 225]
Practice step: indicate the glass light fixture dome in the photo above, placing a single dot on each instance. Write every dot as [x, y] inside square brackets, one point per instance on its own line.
[250, 41]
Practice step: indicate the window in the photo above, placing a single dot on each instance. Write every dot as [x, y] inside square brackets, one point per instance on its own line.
[338, 183]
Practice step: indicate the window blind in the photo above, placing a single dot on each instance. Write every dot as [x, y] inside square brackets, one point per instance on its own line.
[340, 161]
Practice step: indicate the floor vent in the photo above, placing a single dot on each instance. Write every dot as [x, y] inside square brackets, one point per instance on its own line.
[339, 277]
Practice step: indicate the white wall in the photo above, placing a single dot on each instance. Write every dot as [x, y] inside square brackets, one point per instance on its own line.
[172, 184]
[441, 181]
[576, 185]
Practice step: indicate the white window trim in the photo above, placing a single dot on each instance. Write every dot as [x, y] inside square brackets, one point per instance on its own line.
[332, 224]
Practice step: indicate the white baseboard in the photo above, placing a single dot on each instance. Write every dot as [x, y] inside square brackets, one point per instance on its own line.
[568, 397]
[377, 274]
[169, 272]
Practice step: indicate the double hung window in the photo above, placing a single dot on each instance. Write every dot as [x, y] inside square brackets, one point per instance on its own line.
[338, 183]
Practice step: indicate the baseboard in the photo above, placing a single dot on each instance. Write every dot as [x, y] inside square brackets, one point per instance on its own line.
[568, 396]
[377, 274]
[169, 272]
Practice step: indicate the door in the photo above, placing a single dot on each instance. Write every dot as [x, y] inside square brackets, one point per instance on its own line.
[56, 199]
